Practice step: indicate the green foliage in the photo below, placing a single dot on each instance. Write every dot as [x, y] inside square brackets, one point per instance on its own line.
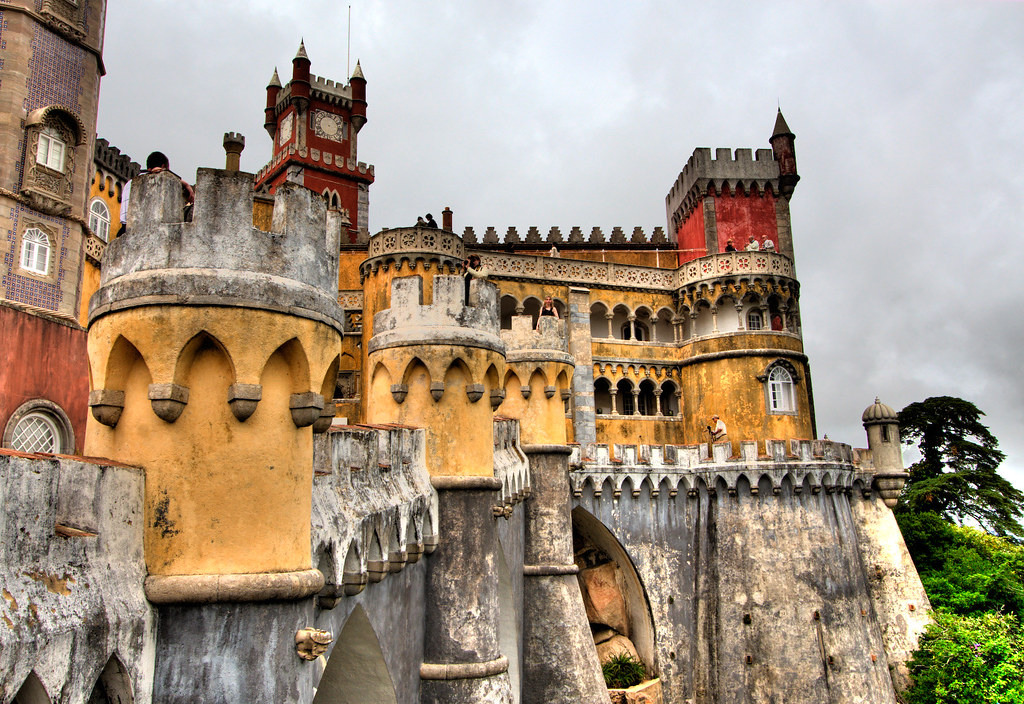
[623, 671]
[965, 570]
[969, 659]
[956, 476]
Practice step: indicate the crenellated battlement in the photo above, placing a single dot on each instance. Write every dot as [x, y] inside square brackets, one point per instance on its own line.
[111, 158]
[575, 238]
[339, 162]
[740, 171]
[219, 258]
[447, 320]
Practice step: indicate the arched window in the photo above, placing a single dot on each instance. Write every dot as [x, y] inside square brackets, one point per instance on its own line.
[35, 251]
[39, 426]
[51, 149]
[780, 391]
[754, 320]
[99, 219]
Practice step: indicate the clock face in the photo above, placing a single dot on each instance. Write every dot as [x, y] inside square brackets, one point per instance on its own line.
[286, 130]
[328, 126]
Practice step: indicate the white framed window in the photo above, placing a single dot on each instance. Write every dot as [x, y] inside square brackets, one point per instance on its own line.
[99, 219]
[36, 432]
[754, 320]
[35, 251]
[780, 391]
[51, 148]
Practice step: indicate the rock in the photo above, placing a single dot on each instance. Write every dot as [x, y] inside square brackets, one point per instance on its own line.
[602, 634]
[615, 645]
[602, 597]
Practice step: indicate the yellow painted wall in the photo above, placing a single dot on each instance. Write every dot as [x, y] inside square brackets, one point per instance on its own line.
[222, 496]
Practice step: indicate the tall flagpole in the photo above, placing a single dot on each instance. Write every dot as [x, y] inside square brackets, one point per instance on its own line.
[348, 51]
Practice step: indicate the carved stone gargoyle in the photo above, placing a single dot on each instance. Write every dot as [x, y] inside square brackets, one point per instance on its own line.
[311, 643]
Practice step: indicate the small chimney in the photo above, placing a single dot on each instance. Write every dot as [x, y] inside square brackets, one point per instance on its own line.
[446, 219]
[234, 143]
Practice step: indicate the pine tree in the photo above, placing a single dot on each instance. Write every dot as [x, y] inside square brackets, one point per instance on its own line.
[956, 476]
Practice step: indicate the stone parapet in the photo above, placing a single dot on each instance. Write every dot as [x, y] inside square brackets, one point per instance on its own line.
[575, 272]
[72, 571]
[575, 239]
[374, 509]
[111, 158]
[220, 258]
[411, 244]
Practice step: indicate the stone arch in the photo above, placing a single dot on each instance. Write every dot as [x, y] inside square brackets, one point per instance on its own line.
[330, 381]
[31, 691]
[113, 685]
[200, 343]
[624, 390]
[602, 395]
[703, 323]
[356, 670]
[662, 330]
[294, 356]
[598, 319]
[620, 316]
[414, 367]
[531, 307]
[509, 305]
[508, 622]
[647, 399]
[457, 371]
[602, 558]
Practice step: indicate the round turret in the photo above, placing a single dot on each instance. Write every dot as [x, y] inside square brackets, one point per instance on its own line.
[880, 422]
[211, 346]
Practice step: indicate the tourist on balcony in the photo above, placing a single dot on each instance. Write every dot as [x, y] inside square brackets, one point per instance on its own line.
[753, 246]
[420, 222]
[768, 245]
[553, 252]
[717, 429]
[729, 246]
[474, 270]
[431, 222]
[548, 308]
[155, 163]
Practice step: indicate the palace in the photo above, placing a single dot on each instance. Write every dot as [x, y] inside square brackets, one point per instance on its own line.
[261, 454]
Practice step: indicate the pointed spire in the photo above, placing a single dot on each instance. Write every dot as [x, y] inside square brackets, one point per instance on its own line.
[275, 80]
[358, 73]
[780, 125]
[301, 54]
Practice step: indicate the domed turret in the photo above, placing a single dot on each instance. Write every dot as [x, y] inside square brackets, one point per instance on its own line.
[880, 422]
[878, 412]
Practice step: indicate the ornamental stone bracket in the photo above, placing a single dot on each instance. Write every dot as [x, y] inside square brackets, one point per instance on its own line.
[474, 392]
[168, 400]
[323, 423]
[106, 406]
[306, 408]
[399, 392]
[243, 399]
[311, 643]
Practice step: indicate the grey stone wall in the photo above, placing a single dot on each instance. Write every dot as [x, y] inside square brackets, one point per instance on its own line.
[71, 576]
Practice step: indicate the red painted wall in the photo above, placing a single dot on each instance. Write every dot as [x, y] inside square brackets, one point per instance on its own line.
[43, 359]
[690, 236]
[739, 216]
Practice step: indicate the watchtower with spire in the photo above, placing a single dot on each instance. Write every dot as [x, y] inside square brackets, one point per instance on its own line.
[314, 123]
[735, 196]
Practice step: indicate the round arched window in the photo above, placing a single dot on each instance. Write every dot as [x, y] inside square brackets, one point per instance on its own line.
[36, 432]
[99, 219]
[780, 390]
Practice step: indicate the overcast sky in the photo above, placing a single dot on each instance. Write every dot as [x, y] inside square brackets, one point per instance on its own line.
[910, 142]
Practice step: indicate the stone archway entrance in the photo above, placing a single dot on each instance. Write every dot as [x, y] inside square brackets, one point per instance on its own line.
[356, 671]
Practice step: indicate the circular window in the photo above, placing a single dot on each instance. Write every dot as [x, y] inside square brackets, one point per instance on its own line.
[39, 426]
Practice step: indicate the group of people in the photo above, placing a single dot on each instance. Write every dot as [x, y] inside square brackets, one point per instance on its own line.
[428, 222]
[753, 245]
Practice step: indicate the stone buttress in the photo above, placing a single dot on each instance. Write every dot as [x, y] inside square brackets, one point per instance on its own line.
[564, 668]
[435, 360]
[212, 345]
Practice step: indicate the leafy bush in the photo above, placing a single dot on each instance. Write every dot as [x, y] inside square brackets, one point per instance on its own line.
[622, 671]
[969, 659]
[965, 570]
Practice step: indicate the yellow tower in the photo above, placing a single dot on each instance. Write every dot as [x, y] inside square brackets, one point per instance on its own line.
[211, 347]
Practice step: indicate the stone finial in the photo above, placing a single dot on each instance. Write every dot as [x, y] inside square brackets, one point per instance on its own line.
[596, 236]
[533, 234]
[617, 235]
[275, 80]
[512, 236]
[301, 53]
[555, 235]
[658, 236]
[311, 643]
[469, 236]
[638, 236]
[575, 234]
[490, 236]
[234, 143]
[358, 72]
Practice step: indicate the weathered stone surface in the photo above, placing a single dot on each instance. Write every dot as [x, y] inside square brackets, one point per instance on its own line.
[602, 597]
[648, 692]
[616, 645]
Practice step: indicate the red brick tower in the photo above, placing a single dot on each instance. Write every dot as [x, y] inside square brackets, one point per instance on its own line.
[735, 197]
[314, 123]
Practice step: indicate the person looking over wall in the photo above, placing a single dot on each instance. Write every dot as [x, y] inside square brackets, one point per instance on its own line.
[431, 222]
[155, 163]
[729, 246]
[768, 245]
[474, 270]
[553, 252]
[753, 246]
[547, 308]
[717, 429]
[420, 222]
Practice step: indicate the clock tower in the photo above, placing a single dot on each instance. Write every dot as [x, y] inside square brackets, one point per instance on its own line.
[314, 124]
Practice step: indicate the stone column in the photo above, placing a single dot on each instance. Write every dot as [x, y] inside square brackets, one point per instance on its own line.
[661, 410]
[608, 317]
[632, 326]
[714, 319]
[782, 314]
[739, 317]
[559, 658]
[636, 400]
[578, 330]
[614, 391]
[462, 660]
